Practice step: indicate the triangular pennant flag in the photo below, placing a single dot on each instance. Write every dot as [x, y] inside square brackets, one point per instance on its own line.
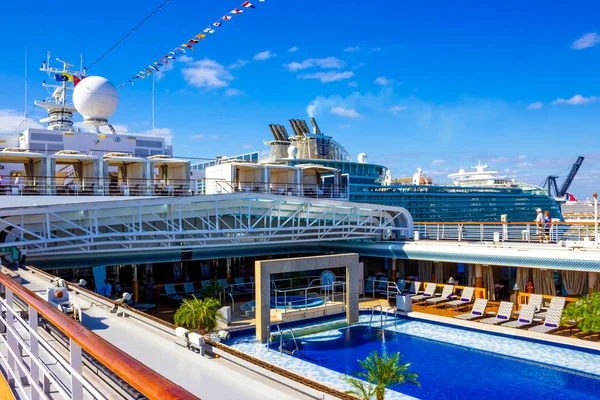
[247, 4]
[200, 36]
[217, 24]
[226, 17]
[154, 67]
[236, 11]
[193, 41]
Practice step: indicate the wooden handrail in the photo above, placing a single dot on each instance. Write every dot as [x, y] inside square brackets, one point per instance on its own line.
[145, 380]
[524, 298]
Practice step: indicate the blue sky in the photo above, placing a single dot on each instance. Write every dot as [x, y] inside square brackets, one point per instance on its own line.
[437, 85]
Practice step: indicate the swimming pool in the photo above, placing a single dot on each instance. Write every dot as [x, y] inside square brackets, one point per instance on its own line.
[296, 302]
[449, 371]
[452, 362]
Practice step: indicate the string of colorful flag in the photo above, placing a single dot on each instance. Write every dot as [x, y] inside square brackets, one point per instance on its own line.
[188, 45]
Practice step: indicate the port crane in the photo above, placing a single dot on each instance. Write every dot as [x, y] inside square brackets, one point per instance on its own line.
[551, 185]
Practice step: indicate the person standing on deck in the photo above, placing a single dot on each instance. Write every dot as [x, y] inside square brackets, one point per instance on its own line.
[106, 290]
[547, 225]
[149, 288]
[539, 223]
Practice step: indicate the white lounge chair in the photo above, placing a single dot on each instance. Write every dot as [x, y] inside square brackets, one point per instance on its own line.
[447, 294]
[414, 288]
[428, 294]
[503, 314]
[171, 293]
[478, 311]
[552, 321]
[534, 300]
[557, 303]
[466, 298]
[525, 317]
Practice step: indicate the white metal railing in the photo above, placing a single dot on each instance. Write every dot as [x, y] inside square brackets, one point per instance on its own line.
[504, 232]
[36, 366]
[28, 355]
[326, 292]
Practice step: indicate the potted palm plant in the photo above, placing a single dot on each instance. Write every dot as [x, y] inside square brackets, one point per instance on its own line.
[380, 372]
[199, 314]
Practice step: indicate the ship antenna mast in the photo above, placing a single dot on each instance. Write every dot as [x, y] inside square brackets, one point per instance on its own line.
[25, 107]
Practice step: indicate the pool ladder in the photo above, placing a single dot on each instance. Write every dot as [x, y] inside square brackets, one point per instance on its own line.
[281, 341]
[387, 315]
[377, 307]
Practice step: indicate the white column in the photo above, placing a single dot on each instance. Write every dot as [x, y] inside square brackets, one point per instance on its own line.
[478, 275]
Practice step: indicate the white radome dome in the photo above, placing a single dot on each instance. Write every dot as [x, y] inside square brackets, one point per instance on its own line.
[292, 151]
[362, 158]
[96, 99]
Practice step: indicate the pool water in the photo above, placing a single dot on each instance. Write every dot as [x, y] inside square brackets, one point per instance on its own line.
[449, 371]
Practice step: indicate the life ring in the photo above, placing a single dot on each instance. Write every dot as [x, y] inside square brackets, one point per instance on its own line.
[59, 294]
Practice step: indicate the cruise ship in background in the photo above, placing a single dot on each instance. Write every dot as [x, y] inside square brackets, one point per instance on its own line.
[61, 159]
[479, 195]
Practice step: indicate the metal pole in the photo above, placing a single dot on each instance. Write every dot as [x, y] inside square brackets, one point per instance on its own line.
[595, 196]
[153, 105]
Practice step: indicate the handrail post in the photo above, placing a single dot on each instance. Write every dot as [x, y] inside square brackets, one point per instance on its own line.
[76, 364]
[11, 340]
[34, 349]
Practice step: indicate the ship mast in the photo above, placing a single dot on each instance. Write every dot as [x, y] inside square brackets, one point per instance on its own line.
[60, 110]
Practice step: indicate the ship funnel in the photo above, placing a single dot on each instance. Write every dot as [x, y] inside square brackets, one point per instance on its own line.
[316, 129]
[282, 132]
[296, 127]
[304, 126]
[274, 132]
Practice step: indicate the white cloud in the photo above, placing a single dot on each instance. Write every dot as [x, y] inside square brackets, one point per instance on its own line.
[196, 137]
[383, 81]
[207, 74]
[576, 100]
[535, 106]
[375, 49]
[326, 77]
[345, 112]
[380, 101]
[588, 40]
[438, 162]
[186, 59]
[353, 84]
[524, 164]
[352, 49]
[164, 69]
[327, 62]
[11, 121]
[233, 92]
[522, 157]
[239, 63]
[264, 55]
[396, 109]
[498, 159]
[156, 132]
[293, 49]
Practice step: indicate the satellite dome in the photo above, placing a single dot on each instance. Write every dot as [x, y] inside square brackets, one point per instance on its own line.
[292, 151]
[362, 158]
[96, 99]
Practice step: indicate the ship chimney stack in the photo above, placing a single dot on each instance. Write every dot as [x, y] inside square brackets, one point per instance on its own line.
[304, 126]
[295, 127]
[274, 132]
[316, 129]
[282, 132]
